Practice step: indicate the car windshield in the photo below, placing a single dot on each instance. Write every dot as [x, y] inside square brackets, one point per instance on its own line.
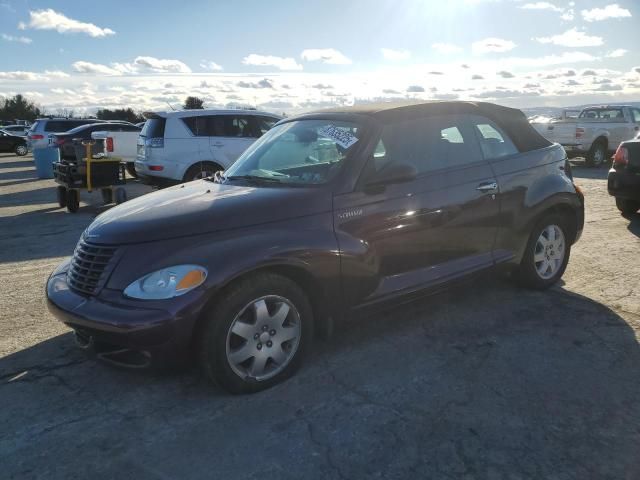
[303, 152]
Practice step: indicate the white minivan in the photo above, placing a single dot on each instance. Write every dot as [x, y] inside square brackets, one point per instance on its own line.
[186, 145]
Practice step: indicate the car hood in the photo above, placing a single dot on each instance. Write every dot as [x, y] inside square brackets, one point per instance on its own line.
[203, 207]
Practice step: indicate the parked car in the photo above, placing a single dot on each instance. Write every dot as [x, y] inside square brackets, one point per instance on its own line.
[596, 132]
[38, 135]
[190, 144]
[20, 130]
[122, 144]
[12, 143]
[326, 213]
[624, 177]
[64, 141]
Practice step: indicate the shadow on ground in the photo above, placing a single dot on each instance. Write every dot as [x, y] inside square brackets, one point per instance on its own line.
[485, 381]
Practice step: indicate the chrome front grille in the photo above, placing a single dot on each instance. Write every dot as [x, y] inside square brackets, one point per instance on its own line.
[89, 267]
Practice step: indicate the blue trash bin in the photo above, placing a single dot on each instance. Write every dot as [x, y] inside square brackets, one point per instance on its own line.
[44, 159]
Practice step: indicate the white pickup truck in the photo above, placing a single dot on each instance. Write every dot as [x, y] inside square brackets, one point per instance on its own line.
[123, 145]
[595, 133]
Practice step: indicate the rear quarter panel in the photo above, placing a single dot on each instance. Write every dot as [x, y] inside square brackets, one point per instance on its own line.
[530, 184]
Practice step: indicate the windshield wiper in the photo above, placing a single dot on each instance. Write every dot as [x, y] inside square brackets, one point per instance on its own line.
[254, 178]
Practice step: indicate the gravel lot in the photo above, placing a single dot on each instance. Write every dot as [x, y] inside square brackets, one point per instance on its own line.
[484, 381]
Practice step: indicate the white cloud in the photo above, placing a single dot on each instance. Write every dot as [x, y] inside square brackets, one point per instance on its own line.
[160, 65]
[49, 19]
[572, 38]
[620, 52]
[395, 55]
[610, 11]
[446, 48]
[20, 75]
[281, 63]
[325, 55]
[492, 45]
[11, 38]
[209, 65]
[94, 68]
[542, 6]
[56, 74]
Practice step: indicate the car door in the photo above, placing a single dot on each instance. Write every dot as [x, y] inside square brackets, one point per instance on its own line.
[396, 238]
[232, 135]
[5, 142]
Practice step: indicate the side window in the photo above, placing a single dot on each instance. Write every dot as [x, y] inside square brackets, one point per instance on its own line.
[198, 125]
[493, 142]
[264, 124]
[234, 126]
[635, 113]
[429, 144]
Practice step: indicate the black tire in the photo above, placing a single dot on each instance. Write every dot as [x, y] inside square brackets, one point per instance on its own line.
[219, 320]
[196, 171]
[73, 201]
[527, 274]
[627, 207]
[61, 195]
[597, 155]
[21, 150]
[131, 169]
[121, 195]
[107, 196]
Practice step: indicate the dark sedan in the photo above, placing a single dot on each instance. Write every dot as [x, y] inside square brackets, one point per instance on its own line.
[13, 143]
[326, 213]
[64, 141]
[624, 177]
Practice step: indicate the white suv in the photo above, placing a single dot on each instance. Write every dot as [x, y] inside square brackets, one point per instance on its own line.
[190, 144]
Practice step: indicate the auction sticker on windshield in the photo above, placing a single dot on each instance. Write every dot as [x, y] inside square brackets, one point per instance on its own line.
[342, 137]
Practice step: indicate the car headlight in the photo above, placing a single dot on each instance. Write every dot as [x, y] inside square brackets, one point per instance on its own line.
[167, 283]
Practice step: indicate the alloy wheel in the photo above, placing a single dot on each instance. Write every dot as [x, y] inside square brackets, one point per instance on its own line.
[549, 251]
[263, 338]
[598, 156]
[21, 150]
[202, 174]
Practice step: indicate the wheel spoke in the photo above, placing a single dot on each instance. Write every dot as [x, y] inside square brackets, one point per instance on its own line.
[242, 354]
[257, 367]
[243, 330]
[281, 314]
[260, 309]
[551, 234]
[287, 333]
[278, 355]
[539, 257]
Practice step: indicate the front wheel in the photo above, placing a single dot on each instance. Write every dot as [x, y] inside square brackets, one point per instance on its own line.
[21, 150]
[73, 200]
[61, 195]
[627, 207]
[257, 334]
[547, 254]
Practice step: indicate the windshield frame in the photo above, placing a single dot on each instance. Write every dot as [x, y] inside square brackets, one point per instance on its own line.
[351, 165]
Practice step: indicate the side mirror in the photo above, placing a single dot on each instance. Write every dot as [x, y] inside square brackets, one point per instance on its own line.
[394, 173]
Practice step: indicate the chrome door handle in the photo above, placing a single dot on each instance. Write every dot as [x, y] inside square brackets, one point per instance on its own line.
[487, 187]
[218, 144]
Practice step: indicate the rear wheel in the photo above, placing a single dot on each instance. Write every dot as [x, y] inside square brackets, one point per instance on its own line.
[21, 150]
[61, 194]
[201, 170]
[121, 195]
[73, 201]
[547, 254]
[628, 207]
[597, 154]
[257, 334]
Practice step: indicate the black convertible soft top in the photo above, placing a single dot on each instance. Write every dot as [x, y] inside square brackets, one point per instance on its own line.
[511, 120]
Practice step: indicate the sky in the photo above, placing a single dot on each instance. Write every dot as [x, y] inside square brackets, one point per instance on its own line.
[291, 56]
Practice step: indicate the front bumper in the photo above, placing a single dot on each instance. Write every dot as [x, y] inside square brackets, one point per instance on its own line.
[162, 334]
[624, 184]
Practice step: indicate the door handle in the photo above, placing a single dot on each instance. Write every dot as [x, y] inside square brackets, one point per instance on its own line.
[218, 144]
[487, 187]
